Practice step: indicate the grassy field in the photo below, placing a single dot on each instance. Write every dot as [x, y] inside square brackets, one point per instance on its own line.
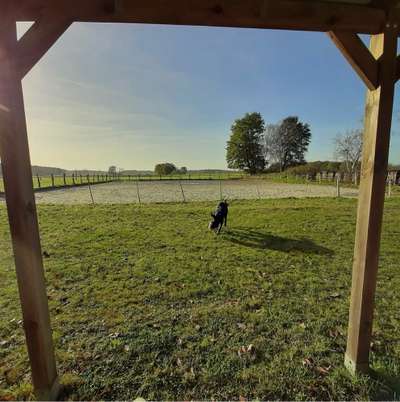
[145, 302]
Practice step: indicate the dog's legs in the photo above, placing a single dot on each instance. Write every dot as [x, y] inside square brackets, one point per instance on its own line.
[220, 227]
[226, 219]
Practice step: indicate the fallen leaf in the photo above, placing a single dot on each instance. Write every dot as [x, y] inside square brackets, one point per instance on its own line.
[322, 370]
[308, 362]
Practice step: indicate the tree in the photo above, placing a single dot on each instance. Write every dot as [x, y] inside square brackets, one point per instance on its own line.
[163, 169]
[287, 142]
[183, 170]
[348, 148]
[244, 149]
[112, 170]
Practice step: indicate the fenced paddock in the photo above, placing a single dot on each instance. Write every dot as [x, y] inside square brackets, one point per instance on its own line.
[186, 191]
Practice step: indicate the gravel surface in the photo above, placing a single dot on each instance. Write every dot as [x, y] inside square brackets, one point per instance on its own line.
[170, 191]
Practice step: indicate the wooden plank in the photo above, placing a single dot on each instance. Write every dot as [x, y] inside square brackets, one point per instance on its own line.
[398, 68]
[17, 176]
[38, 40]
[378, 117]
[278, 14]
[358, 55]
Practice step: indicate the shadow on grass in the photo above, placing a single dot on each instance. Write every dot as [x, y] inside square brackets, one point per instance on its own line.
[255, 239]
[390, 389]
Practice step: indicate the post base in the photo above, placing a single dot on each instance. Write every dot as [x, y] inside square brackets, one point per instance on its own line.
[51, 394]
[354, 367]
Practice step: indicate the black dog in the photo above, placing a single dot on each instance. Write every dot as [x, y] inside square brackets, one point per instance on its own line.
[220, 217]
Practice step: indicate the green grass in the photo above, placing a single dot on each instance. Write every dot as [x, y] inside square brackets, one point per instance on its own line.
[145, 302]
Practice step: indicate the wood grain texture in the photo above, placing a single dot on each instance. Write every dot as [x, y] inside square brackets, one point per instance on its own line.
[358, 55]
[39, 38]
[17, 177]
[278, 14]
[378, 117]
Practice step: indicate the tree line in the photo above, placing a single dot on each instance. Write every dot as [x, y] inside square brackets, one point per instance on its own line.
[253, 146]
[256, 147]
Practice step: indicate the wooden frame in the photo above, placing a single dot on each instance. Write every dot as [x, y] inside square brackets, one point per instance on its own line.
[378, 67]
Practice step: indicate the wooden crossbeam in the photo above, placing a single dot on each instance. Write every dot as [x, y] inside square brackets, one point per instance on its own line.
[277, 14]
[38, 40]
[358, 55]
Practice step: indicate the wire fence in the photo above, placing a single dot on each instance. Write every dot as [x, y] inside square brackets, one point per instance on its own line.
[48, 182]
[150, 191]
[184, 188]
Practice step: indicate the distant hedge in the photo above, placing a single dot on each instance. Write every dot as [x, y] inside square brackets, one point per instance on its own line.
[312, 168]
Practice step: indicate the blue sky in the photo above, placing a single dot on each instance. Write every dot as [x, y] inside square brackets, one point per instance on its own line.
[136, 95]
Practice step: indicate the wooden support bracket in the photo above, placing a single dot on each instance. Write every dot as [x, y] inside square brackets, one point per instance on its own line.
[358, 55]
[39, 38]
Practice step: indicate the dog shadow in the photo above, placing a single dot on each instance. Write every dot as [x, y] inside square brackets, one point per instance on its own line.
[255, 239]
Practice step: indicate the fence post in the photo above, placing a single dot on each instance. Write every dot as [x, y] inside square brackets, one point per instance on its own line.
[73, 179]
[338, 186]
[64, 179]
[38, 180]
[183, 194]
[220, 189]
[90, 191]
[137, 190]
[52, 180]
[389, 188]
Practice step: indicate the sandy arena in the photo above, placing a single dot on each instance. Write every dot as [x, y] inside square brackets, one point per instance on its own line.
[170, 191]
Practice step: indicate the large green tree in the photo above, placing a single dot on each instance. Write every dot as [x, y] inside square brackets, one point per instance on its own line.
[163, 169]
[244, 149]
[287, 142]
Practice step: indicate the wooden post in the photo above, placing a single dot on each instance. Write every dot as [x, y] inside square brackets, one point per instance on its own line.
[90, 191]
[137, 190]
[183, 194]
[65, 180]
[378, 116]
[17, 175]
[337, 186]
[52, 180]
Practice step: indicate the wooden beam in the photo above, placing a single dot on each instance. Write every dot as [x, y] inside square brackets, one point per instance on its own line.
[17, 176]
[378, 117]
[38, 40]
[358, 55]
[307, 15]
[398, 68]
